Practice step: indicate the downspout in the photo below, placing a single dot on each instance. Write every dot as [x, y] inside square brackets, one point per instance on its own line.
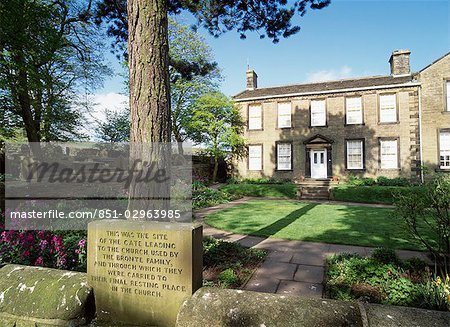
[420, 134]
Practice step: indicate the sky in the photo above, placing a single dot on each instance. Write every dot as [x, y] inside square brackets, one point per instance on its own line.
[349, 38]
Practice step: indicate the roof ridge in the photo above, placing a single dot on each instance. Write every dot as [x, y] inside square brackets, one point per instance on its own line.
[330, 81]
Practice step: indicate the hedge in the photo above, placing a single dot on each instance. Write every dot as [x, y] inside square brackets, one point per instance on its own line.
[370, 194]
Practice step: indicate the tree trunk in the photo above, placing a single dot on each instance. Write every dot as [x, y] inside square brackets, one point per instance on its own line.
[149, 100]
[216, 168]
[149, 71]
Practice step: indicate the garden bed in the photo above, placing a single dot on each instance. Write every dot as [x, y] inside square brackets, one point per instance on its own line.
[384, 278]
[227, 264]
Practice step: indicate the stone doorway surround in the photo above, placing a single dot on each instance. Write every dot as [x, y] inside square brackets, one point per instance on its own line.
[318, 142]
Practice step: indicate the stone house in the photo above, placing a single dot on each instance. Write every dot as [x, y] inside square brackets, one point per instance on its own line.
[370, 126]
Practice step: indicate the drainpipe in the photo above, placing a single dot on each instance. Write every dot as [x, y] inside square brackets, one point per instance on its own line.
[420, 133]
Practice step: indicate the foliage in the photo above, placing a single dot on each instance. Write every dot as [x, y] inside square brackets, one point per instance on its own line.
[371, 194]
[269, 18]
[435, 293]
[203, 197]
[351, 277]
[263, 180]
[398, 181]
[192, 74]
[62, 250]
[380, 181]
[217, 125]
[49, 52]
[228, 278]
[385, 255]
[261, 190]
[430, 208]
[116, 128]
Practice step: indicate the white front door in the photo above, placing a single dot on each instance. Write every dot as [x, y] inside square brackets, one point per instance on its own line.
[318, 164]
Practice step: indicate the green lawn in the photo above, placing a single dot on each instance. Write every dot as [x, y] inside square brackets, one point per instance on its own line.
[340, 224]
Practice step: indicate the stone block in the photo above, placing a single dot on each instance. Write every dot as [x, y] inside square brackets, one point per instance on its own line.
[141, 271]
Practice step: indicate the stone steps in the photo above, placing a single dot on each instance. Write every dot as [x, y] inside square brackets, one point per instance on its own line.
[314, 189]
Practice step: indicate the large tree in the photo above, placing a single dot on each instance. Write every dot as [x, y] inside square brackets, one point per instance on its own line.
[188, 49]
[49, 54]
[147, 43]
[148, 57]
[216, 124]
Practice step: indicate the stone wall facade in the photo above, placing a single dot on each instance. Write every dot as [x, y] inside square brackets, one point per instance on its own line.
[405, 130]
[421, 114]
[435, 114]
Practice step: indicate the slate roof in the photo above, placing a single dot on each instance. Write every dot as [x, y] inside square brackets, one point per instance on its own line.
[372, 81]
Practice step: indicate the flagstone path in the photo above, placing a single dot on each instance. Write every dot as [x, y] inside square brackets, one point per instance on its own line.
[291, 267]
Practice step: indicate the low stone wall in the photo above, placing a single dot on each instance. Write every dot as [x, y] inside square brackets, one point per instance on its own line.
[44, 297]
[218, 307]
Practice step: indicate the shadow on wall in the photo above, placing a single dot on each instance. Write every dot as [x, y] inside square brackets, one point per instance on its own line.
[337, 130]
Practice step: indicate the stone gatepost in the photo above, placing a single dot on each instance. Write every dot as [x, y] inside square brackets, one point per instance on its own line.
[142, 271]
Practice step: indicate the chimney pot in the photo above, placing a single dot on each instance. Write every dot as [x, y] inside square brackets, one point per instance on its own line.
[252, 80]
[399, 62]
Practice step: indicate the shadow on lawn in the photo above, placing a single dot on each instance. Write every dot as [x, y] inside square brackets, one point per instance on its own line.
[355, 225]
[275, 227]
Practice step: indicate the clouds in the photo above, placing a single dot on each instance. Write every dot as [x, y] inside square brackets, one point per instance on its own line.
[111, 101]
[329, 75]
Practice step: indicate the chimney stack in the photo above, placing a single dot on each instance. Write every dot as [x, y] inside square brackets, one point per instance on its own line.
[400, 62]
[252, 80]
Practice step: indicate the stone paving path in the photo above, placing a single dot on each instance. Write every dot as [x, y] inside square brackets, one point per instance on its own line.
[291, 267]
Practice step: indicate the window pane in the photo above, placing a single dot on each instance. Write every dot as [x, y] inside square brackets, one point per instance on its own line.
[284, 154]
[254, 117]
[318, 115]
[354, 110]
[444, 149]
[354, 154]
[255, 157]
[284, 114]
[388, 108]
[388, 154]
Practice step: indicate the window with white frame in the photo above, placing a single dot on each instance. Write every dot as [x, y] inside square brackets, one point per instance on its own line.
[444, 149]
[255, 116]
[388, 154]
[284, 115]
[447, 92]
[318, 113]
[355, 154]
[284, 156]
[388, 108]
[354, 113]
[255, 157]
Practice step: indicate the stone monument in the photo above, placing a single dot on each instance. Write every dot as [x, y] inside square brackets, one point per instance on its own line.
[142, 271]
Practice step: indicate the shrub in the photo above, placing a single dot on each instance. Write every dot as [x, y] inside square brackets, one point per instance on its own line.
[434, 294]
[228, 278]
[385, 255]
[431, 209]
[399, 181]
[372, 194]
[207, 197]
[63, 250]
[261, 190]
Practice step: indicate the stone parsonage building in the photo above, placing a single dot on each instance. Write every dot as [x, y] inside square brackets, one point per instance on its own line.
[371, 126]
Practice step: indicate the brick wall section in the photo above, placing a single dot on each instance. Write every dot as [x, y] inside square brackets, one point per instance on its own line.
[406, 130]
[434, 114]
